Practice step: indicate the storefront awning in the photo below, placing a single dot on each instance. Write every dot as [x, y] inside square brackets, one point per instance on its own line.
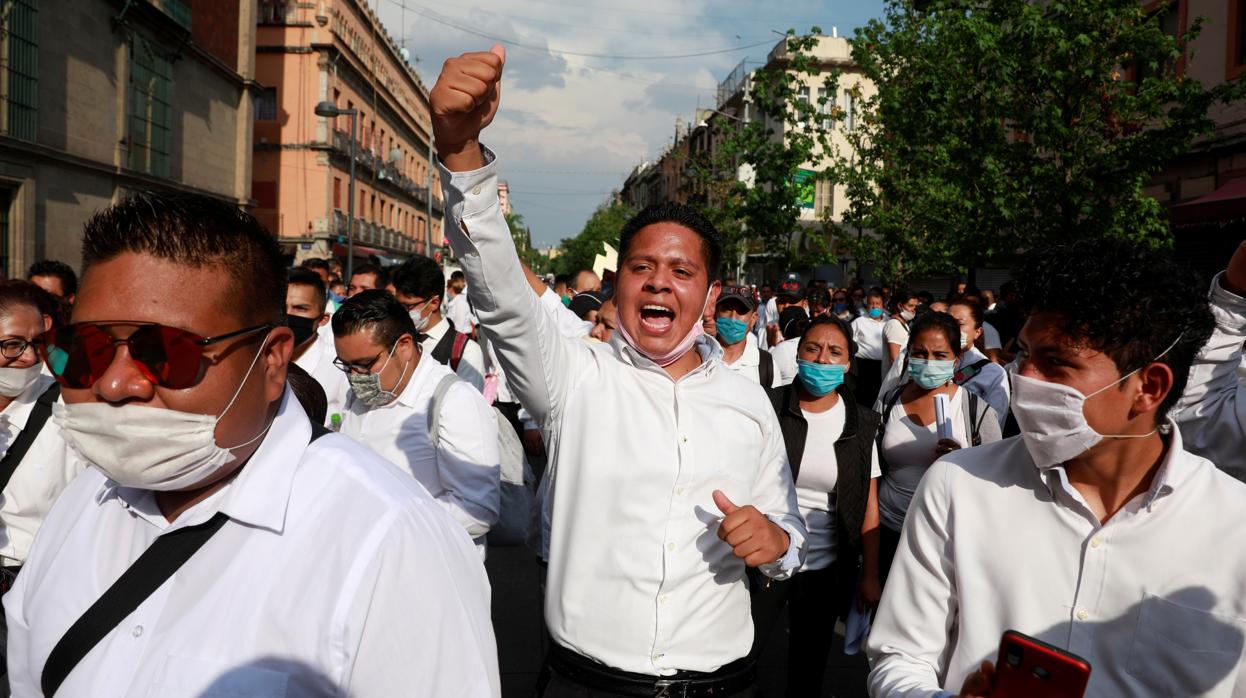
[1227, 203]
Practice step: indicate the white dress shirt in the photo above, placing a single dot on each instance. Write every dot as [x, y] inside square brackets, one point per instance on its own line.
[460, 312]
[471, 365]
[335, 575]
[1212, 411]
[39, 479]
[1155, 599]
[318, 362]
[868, 334]
[749, 363]
[991, 383]
[638, 578]
[784, 355]
[462, 472]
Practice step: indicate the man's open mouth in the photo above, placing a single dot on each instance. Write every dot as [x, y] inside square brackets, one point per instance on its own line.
[656, 319]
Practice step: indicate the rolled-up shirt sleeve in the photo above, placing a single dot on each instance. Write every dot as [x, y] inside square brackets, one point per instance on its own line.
[541, 364]
[910, 641]
[1212, 410]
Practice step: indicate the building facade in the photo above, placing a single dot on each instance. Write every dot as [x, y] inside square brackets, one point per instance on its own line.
[338, 51]
[103, 97]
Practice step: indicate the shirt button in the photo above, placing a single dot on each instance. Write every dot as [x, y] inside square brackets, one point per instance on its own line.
[664, 598]
[1083, 614]
[683, 439]
[476, 190]
[670, 547]
[137, 631]
[1095, 543]
[679, 491]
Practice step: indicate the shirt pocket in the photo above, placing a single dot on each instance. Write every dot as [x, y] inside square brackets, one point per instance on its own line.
[214, 678]
[1181, 651]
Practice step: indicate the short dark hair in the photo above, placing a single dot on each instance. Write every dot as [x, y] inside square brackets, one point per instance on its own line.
[195, 231]
[938, 322]
[1130, 303]
[382, 276]
[682, 215]
[457, 274]
[374, 311]
[903, 296]
[57, 268]
[307, 277]
[419, 276]
[975, 307]
[16, 292]
[317, 263]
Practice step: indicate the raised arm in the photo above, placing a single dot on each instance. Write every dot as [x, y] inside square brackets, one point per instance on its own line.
[540, 363]
[1212, 411]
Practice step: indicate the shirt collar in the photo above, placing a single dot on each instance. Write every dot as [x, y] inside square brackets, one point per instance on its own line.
[18, 411]
[436, 332]
[1174, 469]
[409, 397]
[752, 354]
[258, 495]
[312, 357]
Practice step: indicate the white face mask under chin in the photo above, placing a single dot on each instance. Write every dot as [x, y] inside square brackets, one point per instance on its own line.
[1052, 417]
[150, 448]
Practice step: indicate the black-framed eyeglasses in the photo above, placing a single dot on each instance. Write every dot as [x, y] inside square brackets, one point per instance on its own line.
[14, 347]
[78, 354]
[360, 368]
[412, 306]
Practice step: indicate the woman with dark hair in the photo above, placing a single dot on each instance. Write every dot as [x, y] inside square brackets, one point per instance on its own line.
[830, 442]
[909, 440]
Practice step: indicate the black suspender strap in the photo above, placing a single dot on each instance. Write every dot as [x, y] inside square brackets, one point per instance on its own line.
[147, 574]
[34, 424]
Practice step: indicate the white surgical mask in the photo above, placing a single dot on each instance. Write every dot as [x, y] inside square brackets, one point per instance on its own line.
[150, 448]
[1052, 417]
[964, 341]
[420, 320]
[15, 381]
[907, 315]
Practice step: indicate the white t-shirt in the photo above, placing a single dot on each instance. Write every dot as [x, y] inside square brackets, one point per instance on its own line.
[894, 332]
[868, 334]
[819, 473]
[909, 450]
[784, 355]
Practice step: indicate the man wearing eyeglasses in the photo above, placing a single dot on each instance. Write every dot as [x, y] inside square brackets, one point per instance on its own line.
[393, 388]
[220, 544]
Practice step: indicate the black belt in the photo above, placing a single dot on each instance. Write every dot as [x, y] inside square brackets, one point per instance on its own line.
[8, 575]
[736, 677]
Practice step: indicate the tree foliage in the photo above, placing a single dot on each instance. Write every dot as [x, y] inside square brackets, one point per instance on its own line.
[602, 227]
[999, 125]
[522, 237]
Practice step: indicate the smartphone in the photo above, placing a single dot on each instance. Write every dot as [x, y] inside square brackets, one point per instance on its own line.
[1030, 668]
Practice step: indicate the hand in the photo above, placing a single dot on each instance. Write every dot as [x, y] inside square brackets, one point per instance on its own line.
[533, 444]
[869, 592]
[978, 684]
[946, 446]
[1234, 279]
[752, 537]
[463, 102]
[772, 333]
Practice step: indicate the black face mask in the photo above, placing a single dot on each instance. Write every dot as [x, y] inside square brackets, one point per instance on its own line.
[302, 327]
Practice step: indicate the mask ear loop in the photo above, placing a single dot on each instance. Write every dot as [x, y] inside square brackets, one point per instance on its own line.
[1126, 377]
[404, 369]
[254, 361]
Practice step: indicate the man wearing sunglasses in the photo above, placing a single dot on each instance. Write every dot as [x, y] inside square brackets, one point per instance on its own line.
[393, 388]
[314, 564]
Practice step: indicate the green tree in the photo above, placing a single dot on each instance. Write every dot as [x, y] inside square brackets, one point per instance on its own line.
[602, 227]
[788, 132]
[999, 125]
[522, 236]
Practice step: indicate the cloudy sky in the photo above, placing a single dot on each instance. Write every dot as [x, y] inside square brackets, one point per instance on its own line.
[591, 88]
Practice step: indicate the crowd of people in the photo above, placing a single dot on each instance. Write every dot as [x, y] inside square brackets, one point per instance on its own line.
[225, 476]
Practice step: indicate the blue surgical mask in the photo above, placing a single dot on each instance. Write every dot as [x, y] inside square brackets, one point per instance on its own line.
[931, 374]
[876, 313]
[820, 379]
[840, 307]
[731, 330]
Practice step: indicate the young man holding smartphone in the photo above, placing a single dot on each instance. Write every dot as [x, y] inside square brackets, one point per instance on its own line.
[1096, 532]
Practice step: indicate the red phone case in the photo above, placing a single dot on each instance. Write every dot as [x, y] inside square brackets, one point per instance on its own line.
[1030, 668]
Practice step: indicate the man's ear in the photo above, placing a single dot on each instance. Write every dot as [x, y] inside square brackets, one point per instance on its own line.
[711, 305]
[1155, 380]
[324, 320]
[275, 360]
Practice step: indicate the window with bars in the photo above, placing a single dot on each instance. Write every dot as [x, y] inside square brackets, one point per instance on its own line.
[824, 197]
[19, 73]
[266, 105]
[850, 111]
[148, 108]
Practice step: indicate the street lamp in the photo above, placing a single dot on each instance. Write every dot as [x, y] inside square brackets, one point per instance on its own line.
[329, 109]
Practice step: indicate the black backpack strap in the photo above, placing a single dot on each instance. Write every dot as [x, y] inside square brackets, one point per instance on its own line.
[765, 369]
[445, 346]
[159, 562]
[34, 424]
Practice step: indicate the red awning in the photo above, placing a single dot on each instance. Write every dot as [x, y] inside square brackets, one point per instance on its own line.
[1226, 203]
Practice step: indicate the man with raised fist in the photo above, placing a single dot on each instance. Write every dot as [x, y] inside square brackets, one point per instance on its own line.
[655, 517]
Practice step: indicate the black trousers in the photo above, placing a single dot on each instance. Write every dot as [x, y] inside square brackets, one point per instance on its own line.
[888, 544]
[869, 381]
[559, 686]
[812, 609]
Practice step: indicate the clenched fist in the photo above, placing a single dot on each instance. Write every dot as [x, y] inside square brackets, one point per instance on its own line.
[463, 102]
[753, 538]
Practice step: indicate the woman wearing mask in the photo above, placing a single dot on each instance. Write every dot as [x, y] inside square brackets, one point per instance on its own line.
[842, 308]
[867, 332]
[830, 442]
[976, 372]
[909, 440]
[896, 331]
